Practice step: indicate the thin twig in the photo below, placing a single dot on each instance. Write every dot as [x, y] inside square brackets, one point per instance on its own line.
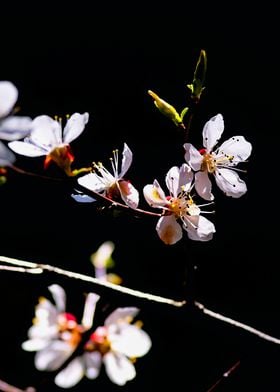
[136, 293]
[86, 190]
[5, 387]
[86, 278]
[225, 375]
[237, 324]
[21, 269]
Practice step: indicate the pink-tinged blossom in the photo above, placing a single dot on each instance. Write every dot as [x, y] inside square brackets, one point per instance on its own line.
[11, 127]
[116, 344]
[110, 185]
[179, 208]
[48, 139]
[55, 334]
[221, 162]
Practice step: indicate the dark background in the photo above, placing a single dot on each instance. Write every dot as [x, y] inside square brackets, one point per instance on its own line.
[104, 61]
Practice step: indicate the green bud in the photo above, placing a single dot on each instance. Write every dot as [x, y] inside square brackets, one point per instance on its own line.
[166, 109]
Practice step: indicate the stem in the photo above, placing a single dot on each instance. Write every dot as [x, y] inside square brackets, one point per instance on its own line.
[139, 211]
[136, 293]
[5, 387]
[225, 375]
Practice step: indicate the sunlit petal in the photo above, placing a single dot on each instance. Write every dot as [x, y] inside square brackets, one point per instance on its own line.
[8, 97]
[212, 132]
[169, 230]
[74, 127]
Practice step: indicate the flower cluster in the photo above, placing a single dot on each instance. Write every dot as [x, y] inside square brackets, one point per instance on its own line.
[56, 334]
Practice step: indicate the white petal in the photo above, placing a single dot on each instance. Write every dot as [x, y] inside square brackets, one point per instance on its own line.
[89, 310]
[212, 132]
[46, 312]
[46, 133]
[43, 331]
[154, 195]
[27, 149]
[8, 97]
[172, 181]
[6, 156]
[35, 344]
[129, 194]
[169, 230]
[15, 127]
[92, 182]
[53, 356]
[230, 183]
[72, 374]
[93, 362]
[118, 368]
[59, 297]
[82, 198]
[121, 315]
[193, 156]
[236, 147]
[130, 341]
[203, 185]
[199, 228]
[74, 127]
[126, 160]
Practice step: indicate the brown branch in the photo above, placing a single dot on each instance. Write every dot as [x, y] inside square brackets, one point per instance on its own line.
[5, 387]
[225, 375]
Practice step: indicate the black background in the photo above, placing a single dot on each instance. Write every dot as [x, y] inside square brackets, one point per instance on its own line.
[104, 61]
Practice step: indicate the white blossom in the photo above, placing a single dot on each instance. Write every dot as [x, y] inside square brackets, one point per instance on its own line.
[55, 333]
[115, 345]
[111, 185]
[48, 139]
[221, 162]
[178, 206]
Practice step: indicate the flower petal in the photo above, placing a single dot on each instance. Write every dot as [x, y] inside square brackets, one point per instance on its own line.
[199, 228]
[169, 230]
[82, 198]
[46, 133]
[15, 127]
[121, 315]
[126, 160]
[172, 180]
[53, 356]
[74, 127]
[154, 195]
[236, 147]
[193, 157]
[92, 182]
[35, 344]
[203, 185]
[129, 194]
[6, 156]
[72, 374]
[59, 297]
[27, 149]
[130, 341]
[212, 132]
[89, 310]
[118, 368]
[8, 97]
[230, 183]
[93, 362]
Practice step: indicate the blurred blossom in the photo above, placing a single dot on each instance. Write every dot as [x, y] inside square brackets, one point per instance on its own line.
[113, 185]
[11, 127]
[102, 260]
[179, 205]
[116, 344]
[55, 334]
[221, 162]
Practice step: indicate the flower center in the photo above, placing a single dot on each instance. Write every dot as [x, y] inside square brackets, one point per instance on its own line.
[209, 163]
[183, 204]
[98, 341]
